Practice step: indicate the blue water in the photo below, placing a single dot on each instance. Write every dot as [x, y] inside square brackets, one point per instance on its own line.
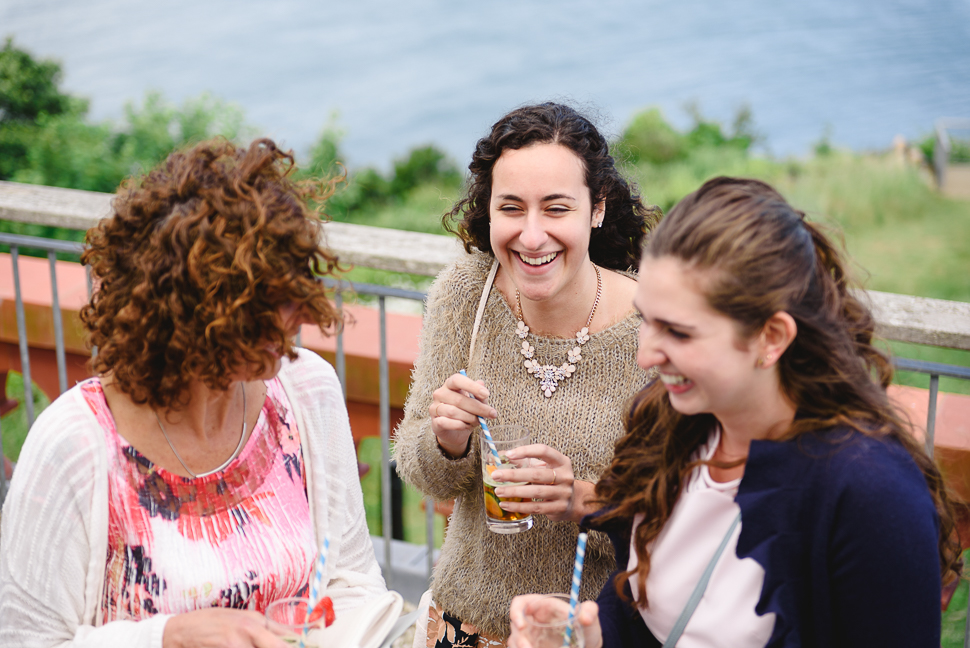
[401, 74]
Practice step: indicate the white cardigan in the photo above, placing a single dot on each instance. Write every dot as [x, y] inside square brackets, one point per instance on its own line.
[54, 535]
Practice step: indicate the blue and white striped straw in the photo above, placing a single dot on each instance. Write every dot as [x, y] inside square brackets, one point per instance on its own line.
[485, 430]
[315, 586]
[574, 591]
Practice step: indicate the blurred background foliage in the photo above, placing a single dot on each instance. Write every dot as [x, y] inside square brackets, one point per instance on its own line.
[902, 234]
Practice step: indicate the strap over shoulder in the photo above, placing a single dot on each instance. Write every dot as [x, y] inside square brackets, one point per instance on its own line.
[481, 307]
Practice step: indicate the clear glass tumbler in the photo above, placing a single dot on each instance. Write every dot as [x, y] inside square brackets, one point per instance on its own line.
[505, 437]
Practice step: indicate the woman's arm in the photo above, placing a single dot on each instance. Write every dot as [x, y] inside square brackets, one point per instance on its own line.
[48, 557]
[883, 557]
[352, 573]
[445, 338]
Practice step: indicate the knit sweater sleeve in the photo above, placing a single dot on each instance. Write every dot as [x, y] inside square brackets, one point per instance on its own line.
[445, 338]
[51, 561]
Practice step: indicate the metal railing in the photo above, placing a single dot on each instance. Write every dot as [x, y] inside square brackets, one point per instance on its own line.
[382, 293]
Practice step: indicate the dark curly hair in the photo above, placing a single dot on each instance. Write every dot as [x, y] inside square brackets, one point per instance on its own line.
[617, 243]
[194, 265]
[760, 257]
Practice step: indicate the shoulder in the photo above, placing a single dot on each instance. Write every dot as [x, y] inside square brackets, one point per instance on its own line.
[310, 377]
[463, 277]
[63, 433]
[841, 468]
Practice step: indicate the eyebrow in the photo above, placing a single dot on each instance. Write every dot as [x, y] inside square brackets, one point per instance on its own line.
[676, 325]
[558, 196]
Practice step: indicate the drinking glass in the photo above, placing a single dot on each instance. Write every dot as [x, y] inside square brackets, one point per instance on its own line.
[545, 626]
[505, 437]
[286, 617]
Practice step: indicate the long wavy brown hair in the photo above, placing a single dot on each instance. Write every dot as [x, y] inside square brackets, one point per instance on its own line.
[195, 263]
[760, 256]
[617, 244]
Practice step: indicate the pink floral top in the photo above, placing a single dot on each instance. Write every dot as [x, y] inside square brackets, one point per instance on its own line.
[238, 538]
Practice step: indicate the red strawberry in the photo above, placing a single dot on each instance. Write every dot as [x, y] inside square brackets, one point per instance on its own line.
[324, 610]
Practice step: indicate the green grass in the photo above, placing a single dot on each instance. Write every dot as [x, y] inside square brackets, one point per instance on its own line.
[415, 530]
[955, 617]
[14, 424]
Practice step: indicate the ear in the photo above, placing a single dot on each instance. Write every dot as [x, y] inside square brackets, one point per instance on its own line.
[599, 213]
[776, 336]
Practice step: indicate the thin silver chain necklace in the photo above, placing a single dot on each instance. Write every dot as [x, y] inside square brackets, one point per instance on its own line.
[549, 376]
[235, 453]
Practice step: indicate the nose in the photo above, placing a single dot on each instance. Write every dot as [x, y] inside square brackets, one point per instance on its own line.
[649, 353]
[533, 235]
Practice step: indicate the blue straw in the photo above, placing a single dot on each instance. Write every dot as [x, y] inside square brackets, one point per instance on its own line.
[574, 592]
[315, 585]
[488, 435]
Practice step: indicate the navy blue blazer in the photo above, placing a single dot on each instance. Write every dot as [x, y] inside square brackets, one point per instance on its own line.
[847, 533]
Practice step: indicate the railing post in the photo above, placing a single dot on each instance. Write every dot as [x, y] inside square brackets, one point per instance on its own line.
[22, 335]
[3, 470]
[341, 359]
[429, 529]
[931, 413]
[385, 415]
[58, 325]
[90, 283]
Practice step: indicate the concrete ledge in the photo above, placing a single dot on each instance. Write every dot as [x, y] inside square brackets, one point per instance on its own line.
[920, 320]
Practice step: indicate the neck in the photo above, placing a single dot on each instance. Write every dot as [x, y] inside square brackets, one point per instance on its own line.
[769, 418]
[564, 314]
[207, 413]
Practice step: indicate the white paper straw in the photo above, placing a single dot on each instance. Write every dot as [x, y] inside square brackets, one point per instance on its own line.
[485, 431]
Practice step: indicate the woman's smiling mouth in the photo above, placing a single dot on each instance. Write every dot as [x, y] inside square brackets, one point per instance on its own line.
[538, 261]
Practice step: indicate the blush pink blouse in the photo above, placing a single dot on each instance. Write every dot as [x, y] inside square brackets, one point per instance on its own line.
[238, 538]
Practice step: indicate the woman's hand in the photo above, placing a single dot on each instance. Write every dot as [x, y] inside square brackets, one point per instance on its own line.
[527, 606]
[219, 628]
[552, 491]
[454, 413]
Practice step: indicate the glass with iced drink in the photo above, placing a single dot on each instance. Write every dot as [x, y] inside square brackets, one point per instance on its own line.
[505, 437]
[287, 617]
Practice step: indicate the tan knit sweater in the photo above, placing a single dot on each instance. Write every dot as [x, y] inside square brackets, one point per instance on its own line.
[480, 571]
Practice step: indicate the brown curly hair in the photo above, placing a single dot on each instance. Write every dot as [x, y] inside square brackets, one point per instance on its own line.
[761, 256]
[194, 265]
[617, 243]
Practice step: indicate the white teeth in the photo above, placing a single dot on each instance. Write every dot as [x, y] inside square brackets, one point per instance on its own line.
[539, 260]
[673, 379]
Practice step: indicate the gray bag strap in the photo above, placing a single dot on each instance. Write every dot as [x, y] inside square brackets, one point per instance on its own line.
[695, 597]
[481, 307]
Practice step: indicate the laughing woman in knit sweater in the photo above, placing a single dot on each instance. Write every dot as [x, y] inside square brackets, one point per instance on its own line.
[167, 501]
[551, 231]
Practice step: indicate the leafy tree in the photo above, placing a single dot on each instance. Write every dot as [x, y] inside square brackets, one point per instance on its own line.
[28, 88]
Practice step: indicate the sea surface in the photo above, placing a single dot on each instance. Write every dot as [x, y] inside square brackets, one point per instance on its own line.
[393, 75]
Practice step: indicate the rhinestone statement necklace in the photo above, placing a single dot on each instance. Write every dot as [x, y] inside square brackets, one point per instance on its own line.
[235, 453]
[549, 376]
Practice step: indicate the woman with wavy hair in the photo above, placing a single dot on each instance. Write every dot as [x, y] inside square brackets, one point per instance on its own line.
[167, 501]
[552, 232]
[768, 455]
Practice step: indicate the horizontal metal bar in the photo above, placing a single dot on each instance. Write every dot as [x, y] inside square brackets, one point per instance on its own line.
[55, 245]
[374, 289]
[938, 368]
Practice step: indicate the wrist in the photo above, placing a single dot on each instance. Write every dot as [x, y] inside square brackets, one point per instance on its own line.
[456, 450]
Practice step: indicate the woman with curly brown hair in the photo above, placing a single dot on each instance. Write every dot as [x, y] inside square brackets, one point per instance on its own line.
[768, 457]
[169, 500]
[552, 231]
